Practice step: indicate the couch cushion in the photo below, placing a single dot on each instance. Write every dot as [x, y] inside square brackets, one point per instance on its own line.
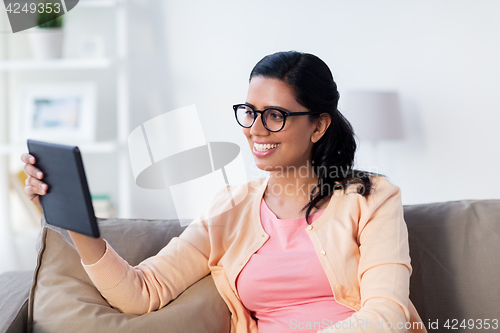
[64, 299]
[454, 249]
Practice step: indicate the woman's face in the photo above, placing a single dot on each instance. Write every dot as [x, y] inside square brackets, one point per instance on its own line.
[293, 144]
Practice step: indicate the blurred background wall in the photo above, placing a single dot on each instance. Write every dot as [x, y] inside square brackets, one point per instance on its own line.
[441, 56]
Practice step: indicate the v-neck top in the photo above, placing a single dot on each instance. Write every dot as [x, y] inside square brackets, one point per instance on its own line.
[283, 284]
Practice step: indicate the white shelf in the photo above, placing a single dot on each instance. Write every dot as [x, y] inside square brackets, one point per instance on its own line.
[54, 64]
[86, 148]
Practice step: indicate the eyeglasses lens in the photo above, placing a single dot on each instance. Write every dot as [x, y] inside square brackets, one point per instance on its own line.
[245, 115]
[273, 119]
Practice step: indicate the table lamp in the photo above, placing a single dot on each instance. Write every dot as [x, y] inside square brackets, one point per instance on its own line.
[375, 116]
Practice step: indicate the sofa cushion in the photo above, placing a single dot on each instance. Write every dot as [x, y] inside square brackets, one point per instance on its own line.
[454, 249]
[64, 299]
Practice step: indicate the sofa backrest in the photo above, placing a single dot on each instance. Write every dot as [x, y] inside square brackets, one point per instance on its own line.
[134, 240]
[455, 255]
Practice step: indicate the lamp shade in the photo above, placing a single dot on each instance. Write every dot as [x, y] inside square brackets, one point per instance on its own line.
[374, 115]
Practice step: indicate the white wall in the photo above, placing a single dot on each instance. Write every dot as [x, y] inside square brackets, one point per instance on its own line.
[442, 56]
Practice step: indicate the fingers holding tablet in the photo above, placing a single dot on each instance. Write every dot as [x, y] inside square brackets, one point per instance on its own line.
[33, 185]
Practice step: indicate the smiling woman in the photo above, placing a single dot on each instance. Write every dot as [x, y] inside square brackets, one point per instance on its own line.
[290, 279]
[314, 247]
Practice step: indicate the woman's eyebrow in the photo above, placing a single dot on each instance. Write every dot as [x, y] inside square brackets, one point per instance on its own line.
[269, 107]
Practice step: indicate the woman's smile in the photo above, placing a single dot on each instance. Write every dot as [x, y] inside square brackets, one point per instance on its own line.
[261, 149]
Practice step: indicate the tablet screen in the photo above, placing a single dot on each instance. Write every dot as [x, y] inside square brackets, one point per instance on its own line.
[67, 203]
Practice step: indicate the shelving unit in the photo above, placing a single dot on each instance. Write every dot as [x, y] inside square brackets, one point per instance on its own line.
[119, 145]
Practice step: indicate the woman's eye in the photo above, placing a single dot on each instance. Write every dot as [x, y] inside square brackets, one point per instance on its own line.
[275, 115]
[245, 110]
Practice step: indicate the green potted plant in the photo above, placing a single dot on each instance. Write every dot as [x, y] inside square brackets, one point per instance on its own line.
[47, 37]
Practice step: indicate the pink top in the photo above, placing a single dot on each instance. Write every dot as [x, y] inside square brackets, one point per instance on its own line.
[284, 284]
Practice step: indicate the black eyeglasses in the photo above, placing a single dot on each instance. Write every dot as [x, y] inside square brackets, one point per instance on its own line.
[273, 119]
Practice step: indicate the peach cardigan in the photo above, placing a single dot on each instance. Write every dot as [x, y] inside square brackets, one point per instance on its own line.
[362, 244]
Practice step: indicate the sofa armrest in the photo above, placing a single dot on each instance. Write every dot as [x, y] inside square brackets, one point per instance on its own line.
[14, 292]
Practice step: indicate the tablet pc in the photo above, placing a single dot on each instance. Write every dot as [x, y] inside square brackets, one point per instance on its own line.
[67, 203]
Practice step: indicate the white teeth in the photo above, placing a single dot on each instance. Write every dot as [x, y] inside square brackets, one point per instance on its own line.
[265, 147]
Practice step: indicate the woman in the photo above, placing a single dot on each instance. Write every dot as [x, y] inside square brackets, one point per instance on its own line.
[316, 246]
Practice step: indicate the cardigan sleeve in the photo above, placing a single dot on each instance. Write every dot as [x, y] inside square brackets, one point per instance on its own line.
[157, 280]
[384, 264]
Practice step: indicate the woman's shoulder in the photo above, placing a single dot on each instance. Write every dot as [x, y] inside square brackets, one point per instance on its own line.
[250, 187]
[383, 199]
[383, 193]
[361, 180]
[243, 190]
[380, 184]
[378, 190]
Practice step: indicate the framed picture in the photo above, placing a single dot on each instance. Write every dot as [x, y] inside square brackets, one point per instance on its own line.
[57, 111]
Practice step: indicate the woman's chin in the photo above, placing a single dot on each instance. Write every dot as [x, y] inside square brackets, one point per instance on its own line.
[266, 166]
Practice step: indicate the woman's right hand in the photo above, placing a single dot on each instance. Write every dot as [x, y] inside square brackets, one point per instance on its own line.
[34, 187]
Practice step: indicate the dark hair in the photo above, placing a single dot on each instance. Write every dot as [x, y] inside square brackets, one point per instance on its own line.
[333, 155]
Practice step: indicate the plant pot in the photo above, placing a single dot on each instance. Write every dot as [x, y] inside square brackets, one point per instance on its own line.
[46, 43]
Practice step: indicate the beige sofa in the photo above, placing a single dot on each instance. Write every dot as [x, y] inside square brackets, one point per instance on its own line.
[454, 248]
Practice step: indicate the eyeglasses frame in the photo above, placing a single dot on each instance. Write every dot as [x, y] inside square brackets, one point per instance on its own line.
[285, 114]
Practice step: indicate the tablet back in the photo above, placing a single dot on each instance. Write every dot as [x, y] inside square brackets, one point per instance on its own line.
[67, 203]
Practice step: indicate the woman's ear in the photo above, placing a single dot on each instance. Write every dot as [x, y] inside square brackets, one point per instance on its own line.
[322, 124]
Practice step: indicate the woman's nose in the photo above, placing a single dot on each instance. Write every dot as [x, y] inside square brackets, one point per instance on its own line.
[258, 127]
